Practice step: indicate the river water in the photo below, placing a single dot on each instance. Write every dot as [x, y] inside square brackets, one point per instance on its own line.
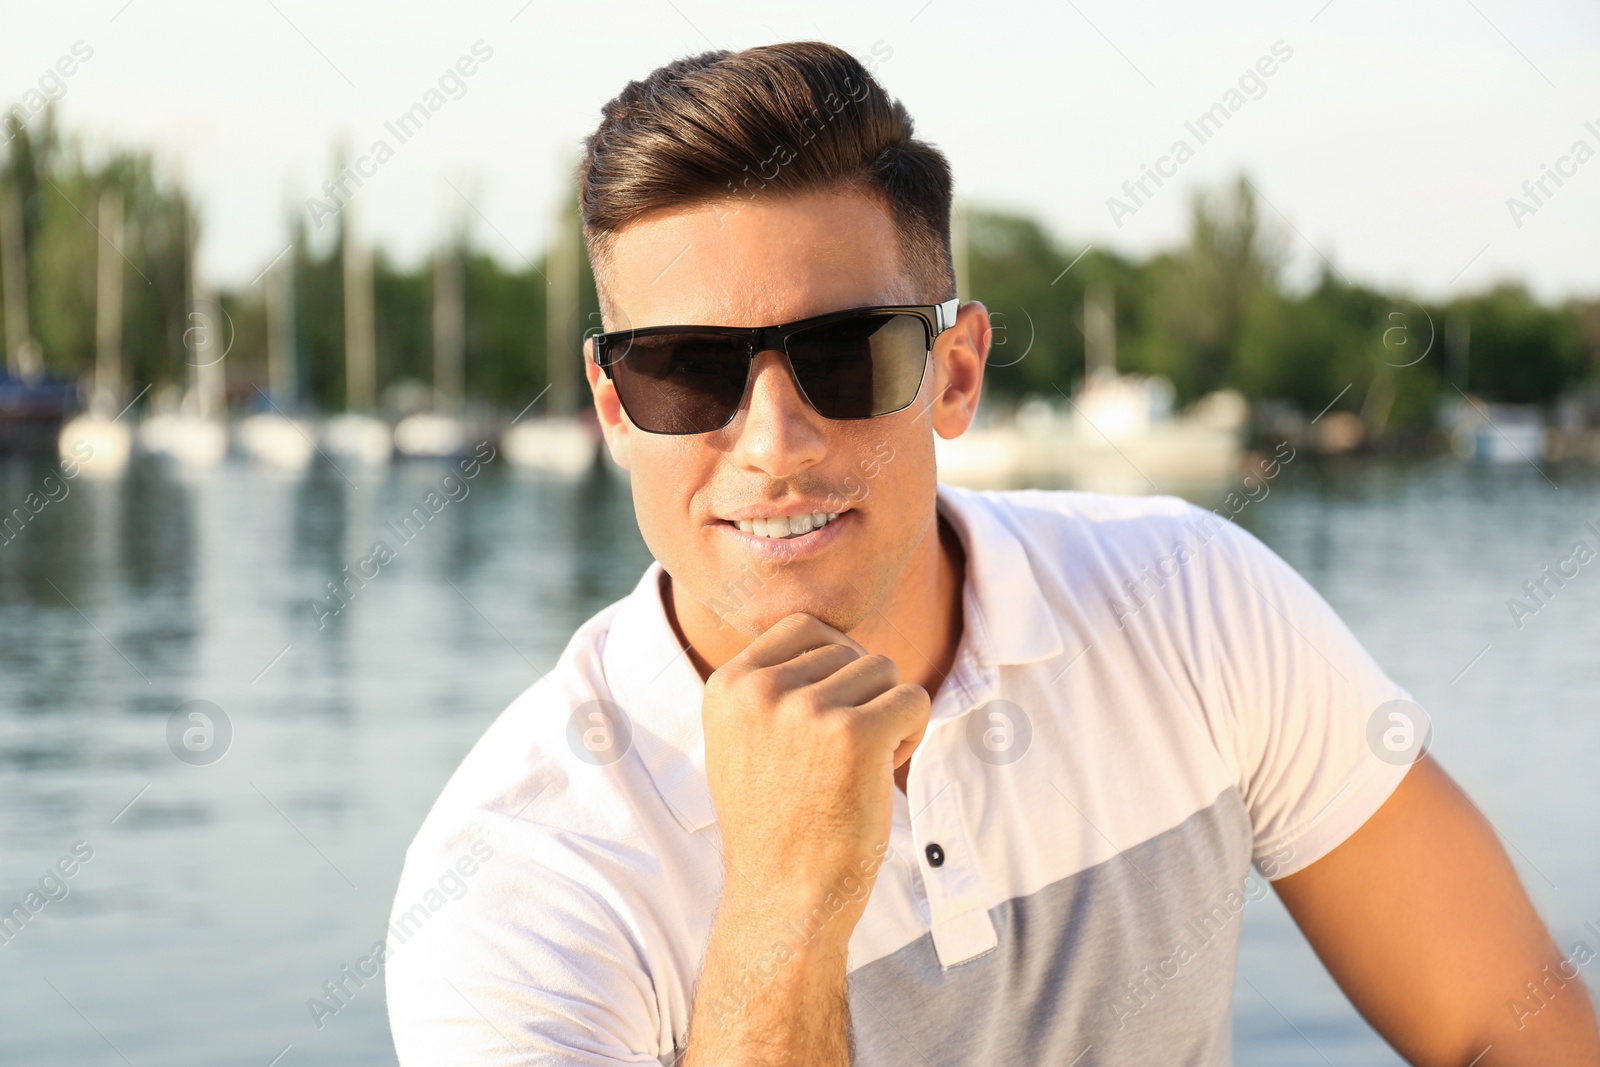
[209, 901]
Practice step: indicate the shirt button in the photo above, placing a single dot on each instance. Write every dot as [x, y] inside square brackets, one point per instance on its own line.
[935, 855]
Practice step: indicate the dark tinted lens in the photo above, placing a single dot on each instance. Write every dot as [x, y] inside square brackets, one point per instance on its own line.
[858, 368]
[681, 383]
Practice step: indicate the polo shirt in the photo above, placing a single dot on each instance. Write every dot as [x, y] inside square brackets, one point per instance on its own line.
[1145, 704]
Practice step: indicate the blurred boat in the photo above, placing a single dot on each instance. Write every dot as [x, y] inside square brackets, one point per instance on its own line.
[194, 436]
[271, 438]
[564, 447]
[32, 410]
[429, 434]
[565, 443]
[356, 435]
[275, 441]
[1496, 434]
[1117, 432]
[33, 405]
[97, 445]
[98, 441]
[359, 438]
[438, 433]
[189, 440]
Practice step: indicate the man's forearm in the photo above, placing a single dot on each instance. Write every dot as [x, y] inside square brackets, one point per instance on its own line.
[767, 997]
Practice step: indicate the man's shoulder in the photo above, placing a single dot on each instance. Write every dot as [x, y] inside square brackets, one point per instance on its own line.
[1084, 531]
[1102, 514]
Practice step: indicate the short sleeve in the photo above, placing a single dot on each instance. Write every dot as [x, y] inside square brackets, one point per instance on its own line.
[1302, 694]
[525, 968]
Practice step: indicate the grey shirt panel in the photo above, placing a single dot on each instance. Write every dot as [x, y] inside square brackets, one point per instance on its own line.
[1130, 962]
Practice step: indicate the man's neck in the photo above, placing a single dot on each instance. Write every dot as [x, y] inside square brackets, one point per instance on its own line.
[919, 625]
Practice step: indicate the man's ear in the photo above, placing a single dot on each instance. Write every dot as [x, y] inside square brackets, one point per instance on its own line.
[959, 356]
[614, 422]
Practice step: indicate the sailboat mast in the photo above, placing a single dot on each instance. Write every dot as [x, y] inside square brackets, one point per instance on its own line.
[282, 371]
[561, 346]
[1099, 331]
[449, 324]
[360, 346]
[108, 306]
[14, 266]
[201, 338]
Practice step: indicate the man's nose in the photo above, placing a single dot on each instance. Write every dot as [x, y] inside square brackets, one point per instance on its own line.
[778, 433]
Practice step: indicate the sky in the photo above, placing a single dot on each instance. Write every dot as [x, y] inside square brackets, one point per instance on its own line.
[1388, 140]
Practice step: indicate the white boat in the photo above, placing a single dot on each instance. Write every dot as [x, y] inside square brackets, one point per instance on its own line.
[356, 436]
[273, 439]
[189, 440]
[97, 441]
[565, 448]
[436, 433]
[1496, 434]
[194, 436]
[99, 446]
[1117, 433]
[359, 438]
[430, 435]
[984, 457]
[277, 442]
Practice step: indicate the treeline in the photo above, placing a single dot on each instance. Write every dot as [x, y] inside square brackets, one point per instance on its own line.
[1214, 313]
[1217, 313]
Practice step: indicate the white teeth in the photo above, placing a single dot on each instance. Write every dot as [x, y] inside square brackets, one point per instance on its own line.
[780, 526]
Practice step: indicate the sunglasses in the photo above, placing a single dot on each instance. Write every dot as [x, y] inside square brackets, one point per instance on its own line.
[855, 364]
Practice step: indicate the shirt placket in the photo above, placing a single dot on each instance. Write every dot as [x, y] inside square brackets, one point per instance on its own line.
[945, 858]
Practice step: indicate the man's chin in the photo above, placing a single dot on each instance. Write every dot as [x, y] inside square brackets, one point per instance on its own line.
[755, 619]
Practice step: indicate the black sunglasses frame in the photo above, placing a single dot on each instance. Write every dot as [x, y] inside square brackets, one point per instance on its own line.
[611, 348]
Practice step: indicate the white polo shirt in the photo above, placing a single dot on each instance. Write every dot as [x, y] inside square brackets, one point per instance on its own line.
[1145, 701]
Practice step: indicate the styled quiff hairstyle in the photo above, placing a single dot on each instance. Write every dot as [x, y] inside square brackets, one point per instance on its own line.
[770, 121]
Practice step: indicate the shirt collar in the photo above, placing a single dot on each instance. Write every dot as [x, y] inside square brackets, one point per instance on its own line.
[1005, 615]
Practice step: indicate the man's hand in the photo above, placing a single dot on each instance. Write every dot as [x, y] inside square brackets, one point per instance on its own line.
[803, 731]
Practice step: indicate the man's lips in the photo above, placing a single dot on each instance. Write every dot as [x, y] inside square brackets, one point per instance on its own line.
[795, 546]
[798, 506]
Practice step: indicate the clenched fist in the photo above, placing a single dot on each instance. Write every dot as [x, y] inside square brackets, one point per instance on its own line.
[804, 730]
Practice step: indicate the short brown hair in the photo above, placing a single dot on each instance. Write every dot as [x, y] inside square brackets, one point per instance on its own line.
[785, 118]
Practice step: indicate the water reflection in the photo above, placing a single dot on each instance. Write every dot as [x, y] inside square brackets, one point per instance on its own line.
[221, 896]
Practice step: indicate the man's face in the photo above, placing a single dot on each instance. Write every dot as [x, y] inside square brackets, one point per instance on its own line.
[758, 263]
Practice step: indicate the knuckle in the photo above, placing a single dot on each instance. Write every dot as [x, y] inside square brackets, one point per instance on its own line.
[880, 665]
[843, 654]
[912, 694]
[764, 687]
[852, 729]
[809, 703]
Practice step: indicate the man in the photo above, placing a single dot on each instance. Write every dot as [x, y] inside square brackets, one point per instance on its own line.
[872, 770]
